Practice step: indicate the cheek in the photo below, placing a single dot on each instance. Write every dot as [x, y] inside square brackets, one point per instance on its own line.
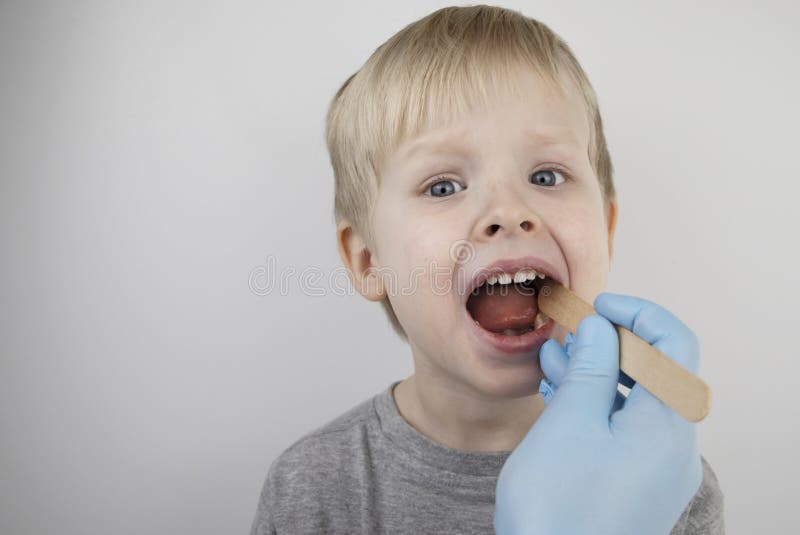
[421, 259]
[584, 241]
[424, 245]
[419, 269]
[572, 228]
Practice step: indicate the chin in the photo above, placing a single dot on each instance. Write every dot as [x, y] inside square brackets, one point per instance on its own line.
[510, 383]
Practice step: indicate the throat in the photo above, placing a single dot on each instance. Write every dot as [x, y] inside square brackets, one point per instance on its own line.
[504, 308]
[457, 420]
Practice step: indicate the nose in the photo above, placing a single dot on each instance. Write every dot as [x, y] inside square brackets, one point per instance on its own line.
[506, 215]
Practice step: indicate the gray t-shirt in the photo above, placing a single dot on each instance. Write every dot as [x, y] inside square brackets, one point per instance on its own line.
[369, 471]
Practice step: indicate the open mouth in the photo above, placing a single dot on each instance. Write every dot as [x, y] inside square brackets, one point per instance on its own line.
[506, 303]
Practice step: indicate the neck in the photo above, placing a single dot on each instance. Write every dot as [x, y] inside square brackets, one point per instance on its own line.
[462, 420]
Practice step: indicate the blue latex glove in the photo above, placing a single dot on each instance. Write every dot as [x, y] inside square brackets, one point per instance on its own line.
[585, 467]
[557, 364]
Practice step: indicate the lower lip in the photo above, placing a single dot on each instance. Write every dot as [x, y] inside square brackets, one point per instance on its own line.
[513, 345]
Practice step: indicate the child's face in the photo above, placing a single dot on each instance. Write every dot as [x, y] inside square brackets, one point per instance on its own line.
[487, 163]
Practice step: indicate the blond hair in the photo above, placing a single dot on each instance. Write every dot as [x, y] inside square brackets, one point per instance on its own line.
[445, 64]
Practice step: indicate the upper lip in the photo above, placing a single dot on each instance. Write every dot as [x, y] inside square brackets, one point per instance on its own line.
[511, 266]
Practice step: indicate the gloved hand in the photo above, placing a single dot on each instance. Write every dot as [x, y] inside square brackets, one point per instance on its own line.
[557, 369]
[585, 468]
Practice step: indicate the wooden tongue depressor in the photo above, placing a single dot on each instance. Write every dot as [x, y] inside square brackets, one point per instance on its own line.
[667, 380]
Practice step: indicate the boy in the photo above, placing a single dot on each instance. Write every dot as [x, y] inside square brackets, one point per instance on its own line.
[469, 157]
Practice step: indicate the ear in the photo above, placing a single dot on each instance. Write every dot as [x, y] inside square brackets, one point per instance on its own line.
[359, 261]
[611, 218]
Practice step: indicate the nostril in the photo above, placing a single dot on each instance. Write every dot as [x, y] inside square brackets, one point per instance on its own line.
[526, 225]
[492, 229]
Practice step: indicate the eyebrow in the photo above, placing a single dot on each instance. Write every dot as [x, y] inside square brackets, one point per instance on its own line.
[450, 144]
[422, 146]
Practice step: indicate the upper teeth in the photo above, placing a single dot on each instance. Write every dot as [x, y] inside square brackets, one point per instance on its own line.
[520, 276]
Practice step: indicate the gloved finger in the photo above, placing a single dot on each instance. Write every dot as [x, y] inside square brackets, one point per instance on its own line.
[654, 324]
[553, 361]
[588, 388]
[642, 410]
[547, 389]
[666, 333]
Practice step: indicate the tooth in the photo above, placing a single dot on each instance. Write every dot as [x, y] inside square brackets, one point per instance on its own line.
[540, 275]
[530, 275]
[515, 332]
[492, 279]
[540, 319]
[504, 278]
[520, 276]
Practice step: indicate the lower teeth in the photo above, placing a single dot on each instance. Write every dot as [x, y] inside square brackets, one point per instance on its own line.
[516, 332]
[540, 319]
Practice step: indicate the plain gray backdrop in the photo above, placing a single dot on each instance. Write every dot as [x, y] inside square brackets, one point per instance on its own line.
[155, 155]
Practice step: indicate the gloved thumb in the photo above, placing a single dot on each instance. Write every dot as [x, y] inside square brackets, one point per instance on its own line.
[587, 390]
[554, 359]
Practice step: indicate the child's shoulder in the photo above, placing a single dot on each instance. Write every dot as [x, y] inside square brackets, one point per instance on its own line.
[310, 482]
[329, 446]
[352, 419]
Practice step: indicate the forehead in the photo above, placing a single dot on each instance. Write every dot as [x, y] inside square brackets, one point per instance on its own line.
[536, 114]
[456, 140]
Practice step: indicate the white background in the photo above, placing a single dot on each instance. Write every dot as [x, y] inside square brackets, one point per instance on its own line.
[153, 154]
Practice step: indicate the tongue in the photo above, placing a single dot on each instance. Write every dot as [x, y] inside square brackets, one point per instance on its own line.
[498, 308]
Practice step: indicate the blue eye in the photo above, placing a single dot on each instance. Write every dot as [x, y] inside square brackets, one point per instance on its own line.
[543, 177]
[443, 188]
